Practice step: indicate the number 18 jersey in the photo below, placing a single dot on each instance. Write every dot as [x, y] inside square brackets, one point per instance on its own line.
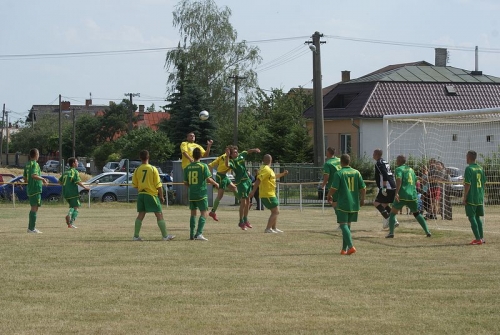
[196, 174]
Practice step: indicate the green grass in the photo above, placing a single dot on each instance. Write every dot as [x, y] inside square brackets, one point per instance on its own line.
[95, 280]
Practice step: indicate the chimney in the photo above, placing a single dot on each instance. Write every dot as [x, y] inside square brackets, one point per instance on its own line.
[65, 105]
[346, 76]
[88, 102]
[441, 57]
[141, 113]
[476, 71]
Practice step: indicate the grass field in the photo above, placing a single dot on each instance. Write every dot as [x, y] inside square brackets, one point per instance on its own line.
[95, 280]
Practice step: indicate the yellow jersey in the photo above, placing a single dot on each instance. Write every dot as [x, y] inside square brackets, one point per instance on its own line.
[220, 162]
[267, 186]
[146, 179]
[189, 147]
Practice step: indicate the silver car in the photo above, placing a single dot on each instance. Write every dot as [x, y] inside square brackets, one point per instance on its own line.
[101, 179]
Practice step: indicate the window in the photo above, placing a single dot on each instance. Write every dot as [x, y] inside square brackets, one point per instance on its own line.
[489, 138]
[342, 100]
[345, 143]
[454, 137]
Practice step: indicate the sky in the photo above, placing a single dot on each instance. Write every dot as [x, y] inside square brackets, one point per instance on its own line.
[361, 36]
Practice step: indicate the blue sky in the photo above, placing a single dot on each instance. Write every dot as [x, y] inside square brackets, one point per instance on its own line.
[355, 32]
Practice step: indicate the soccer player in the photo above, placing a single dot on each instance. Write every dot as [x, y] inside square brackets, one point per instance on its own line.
[386, 187]
[236, 162]
[147, 181]
[331, 166]
[349, 189]
[406, 195]
[188, 146]
[70, 180]
[222, 180]
[196, 176]
[32, 176]
[265, 183]
[473, 196]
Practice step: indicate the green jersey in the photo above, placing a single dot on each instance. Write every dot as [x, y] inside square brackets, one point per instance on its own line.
[347, 182]
[34, 185]
[474, 176]
[408, 189]
[196, 174]
[69, 180]
[238, 166]
[331, 166]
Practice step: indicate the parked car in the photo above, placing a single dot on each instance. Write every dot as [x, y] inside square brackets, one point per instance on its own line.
[458, 181]
[110, 166]
[50, 193]
[101, 179]
[132, 165]
[79, 168]
[118, 191]
[51, 166]
[6, 177]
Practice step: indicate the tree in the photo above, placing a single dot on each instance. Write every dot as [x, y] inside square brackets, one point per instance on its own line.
[44, 135]
[156, 142]
[208, 55]
[114, 121]
[85, 136]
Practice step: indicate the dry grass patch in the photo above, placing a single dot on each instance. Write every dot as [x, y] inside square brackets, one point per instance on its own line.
[95, 280]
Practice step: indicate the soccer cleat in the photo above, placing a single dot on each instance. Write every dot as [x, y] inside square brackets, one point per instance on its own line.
[242, 226]
[397, 224]
[389, 236]
[71, 226]
[429, 234]
[385, 225]
[201, 238]
[269, 230]
[68, 220]
[351, 251]
[343, 252]
[213, 216]
[276, 230]
[483, 241]
[476, 242]
[34, 231]
[138, 238]
[248, 225]
[169, 237]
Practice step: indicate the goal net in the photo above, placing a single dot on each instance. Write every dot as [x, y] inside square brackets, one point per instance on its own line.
[440, 141]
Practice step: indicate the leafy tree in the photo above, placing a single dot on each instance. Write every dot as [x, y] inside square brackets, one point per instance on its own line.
[102, 153]
[156, 142]
[208, 55]
[114, 121]
[85, 136]
[44, 135]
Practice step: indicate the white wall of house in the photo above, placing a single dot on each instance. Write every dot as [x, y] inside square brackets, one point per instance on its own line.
[371, 137]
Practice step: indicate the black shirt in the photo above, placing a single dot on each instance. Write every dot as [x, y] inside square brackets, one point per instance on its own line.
[383, 173]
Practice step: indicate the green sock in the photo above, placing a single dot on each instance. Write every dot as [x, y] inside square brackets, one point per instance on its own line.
[474, 227]
[192, 226]
[392, 223]
[344, 240]
[216, 204]
[479, 226]
[346, 234]
[423, 223]
[163, 227]
[74, 215]
[245, 219]
[32, 220]
[138, 224]
[201, 225]
[70, 212]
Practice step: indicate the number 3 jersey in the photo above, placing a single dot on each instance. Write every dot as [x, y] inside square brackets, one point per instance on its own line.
[348, 181]
[195, 175]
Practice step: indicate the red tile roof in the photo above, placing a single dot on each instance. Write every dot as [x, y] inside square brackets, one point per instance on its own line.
[151, 120]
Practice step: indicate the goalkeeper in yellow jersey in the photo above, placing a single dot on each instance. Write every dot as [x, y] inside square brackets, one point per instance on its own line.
[222, 179]
[406, 195]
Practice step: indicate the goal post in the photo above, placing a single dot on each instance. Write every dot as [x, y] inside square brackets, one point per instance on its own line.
[446, 137]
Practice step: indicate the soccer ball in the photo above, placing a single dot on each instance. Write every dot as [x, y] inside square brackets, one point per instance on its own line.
[204, 115]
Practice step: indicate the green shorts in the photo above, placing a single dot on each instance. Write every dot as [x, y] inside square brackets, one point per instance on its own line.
[471, 210]
[74, 202]
[202, 204]
[222, 180]
[244, 188]
[148, 203]
[411, 204]
[270, 203]
[346, 217]
[36, 200]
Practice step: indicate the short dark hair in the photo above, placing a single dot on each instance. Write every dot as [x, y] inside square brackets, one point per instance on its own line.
[331, 150]
[144, 154]
[196, 153]
[345, 159]
[472, 154]
[71, 161]
[33, 152]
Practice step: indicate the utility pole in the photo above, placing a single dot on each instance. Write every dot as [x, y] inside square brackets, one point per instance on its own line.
[74, 131]
[319, 126]
[236, 88]
[60, 136]
[1, 136]
[7, 137]
[131, 113]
